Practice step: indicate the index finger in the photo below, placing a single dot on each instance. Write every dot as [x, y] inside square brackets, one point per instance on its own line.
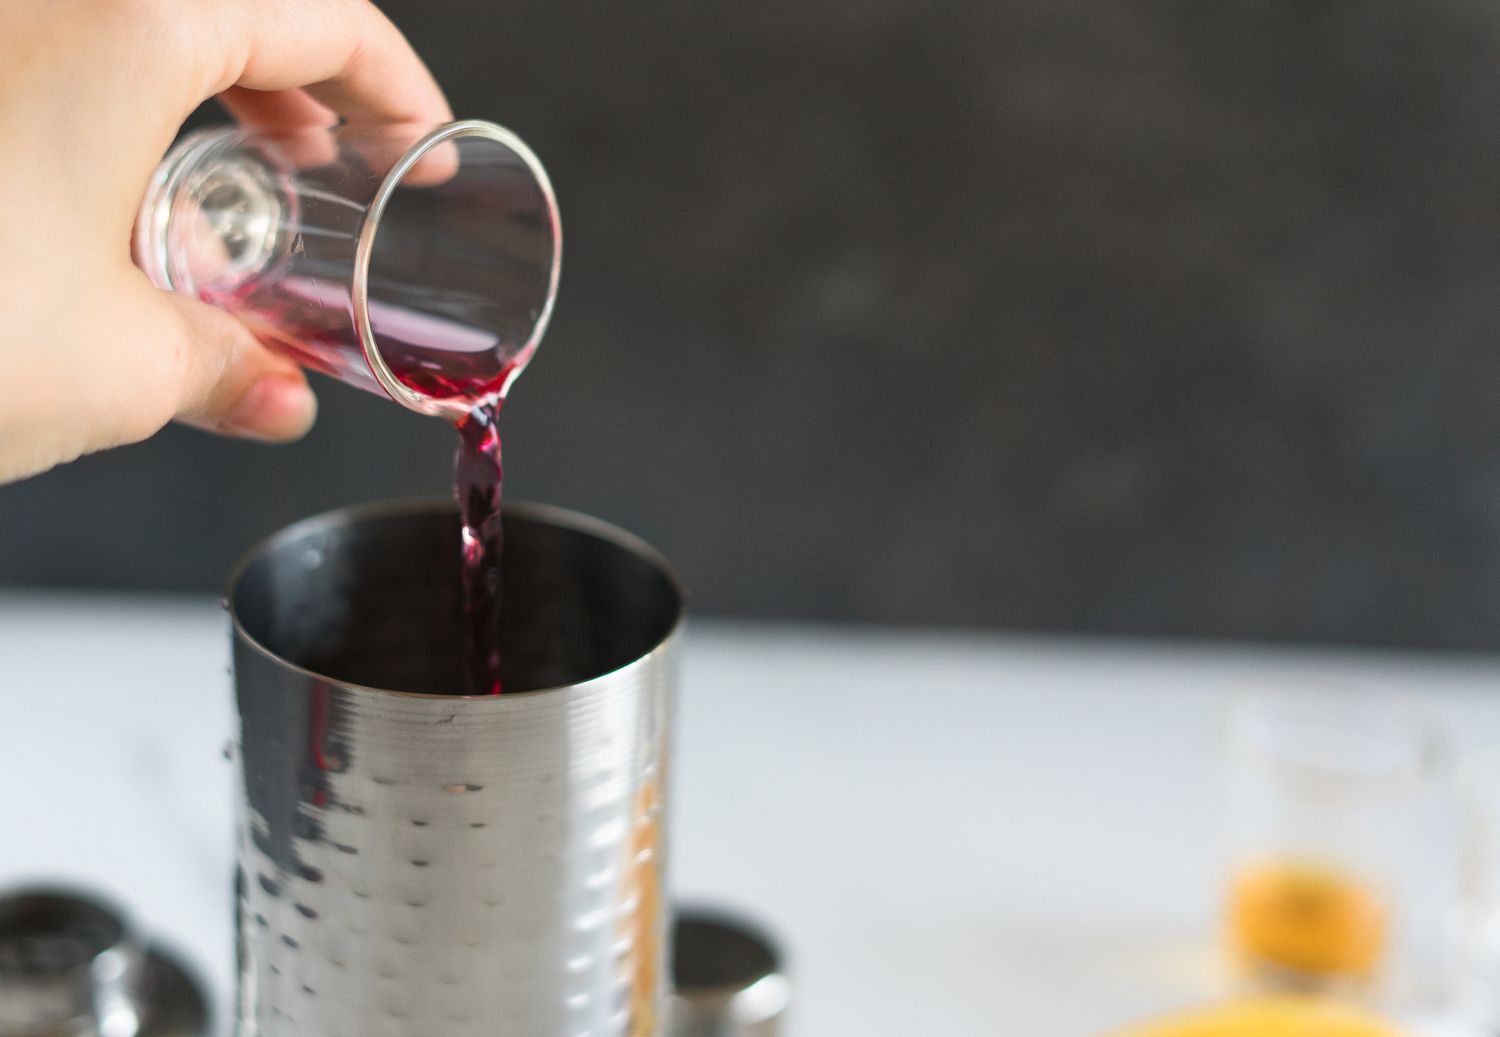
[344, 53]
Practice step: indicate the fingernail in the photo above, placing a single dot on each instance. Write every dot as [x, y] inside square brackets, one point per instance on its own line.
[275, 408]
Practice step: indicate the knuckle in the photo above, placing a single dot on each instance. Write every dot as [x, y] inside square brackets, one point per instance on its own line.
[142, 15]
[137, 423]
[158, 395]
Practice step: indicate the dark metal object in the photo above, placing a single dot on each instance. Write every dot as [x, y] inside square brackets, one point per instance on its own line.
[728, 977]
[72, 966]
[414, 862]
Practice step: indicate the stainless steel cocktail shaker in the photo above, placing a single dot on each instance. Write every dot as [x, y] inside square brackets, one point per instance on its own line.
[415, 862]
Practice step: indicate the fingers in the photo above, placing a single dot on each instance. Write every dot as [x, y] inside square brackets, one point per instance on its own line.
[280, 110]
[299, 122]
[118, 379]
[345, 54]
[230, 383]
[186, 360]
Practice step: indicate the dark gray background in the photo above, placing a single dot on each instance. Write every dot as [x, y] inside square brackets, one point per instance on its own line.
[1145, 317]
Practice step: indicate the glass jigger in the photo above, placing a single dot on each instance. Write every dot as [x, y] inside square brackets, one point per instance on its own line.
[1325, 787]
[420, 263]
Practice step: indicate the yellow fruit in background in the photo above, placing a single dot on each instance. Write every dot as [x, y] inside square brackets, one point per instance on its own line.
[1307, 917]
[1267, 1017]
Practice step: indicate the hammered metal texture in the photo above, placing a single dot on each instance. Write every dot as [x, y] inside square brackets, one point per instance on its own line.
[444, 865]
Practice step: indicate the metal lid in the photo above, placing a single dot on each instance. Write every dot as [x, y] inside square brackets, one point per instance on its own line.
[728, 977]
[72, 966]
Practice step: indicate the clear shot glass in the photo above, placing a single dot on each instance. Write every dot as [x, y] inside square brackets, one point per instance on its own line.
[419, 263]
[1325, 784]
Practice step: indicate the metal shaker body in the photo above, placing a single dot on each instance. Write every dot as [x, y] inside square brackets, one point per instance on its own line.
[422, 863]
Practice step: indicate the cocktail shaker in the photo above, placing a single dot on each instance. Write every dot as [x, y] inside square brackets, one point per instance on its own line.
[413, 861]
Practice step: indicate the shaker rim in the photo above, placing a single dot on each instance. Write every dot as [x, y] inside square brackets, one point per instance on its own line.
[565, 518]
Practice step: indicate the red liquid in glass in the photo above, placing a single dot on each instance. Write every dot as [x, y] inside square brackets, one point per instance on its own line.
[308, 319]
[440, 359]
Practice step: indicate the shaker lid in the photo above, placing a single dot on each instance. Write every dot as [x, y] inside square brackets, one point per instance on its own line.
[70, 963]
[728, 977]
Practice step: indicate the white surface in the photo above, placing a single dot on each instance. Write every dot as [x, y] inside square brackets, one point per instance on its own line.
[954, 835]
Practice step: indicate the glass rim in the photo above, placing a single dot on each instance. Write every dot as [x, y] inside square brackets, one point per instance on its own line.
[1309, 701]
[365, 247]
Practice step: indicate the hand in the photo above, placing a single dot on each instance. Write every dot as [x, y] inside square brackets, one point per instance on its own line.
[92, 93]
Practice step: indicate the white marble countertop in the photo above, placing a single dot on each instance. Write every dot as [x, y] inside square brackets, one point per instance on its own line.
[954, 833]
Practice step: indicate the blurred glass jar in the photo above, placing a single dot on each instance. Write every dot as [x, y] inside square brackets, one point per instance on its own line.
[1478, 915]
[1326, 783]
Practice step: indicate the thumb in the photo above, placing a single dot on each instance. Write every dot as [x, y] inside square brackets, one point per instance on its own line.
[117, 365]
[232, 384]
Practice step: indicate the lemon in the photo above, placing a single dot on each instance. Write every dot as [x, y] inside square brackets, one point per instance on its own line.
[1267, 1017]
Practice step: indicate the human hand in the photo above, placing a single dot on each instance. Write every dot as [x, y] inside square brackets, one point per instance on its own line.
[92, 93]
